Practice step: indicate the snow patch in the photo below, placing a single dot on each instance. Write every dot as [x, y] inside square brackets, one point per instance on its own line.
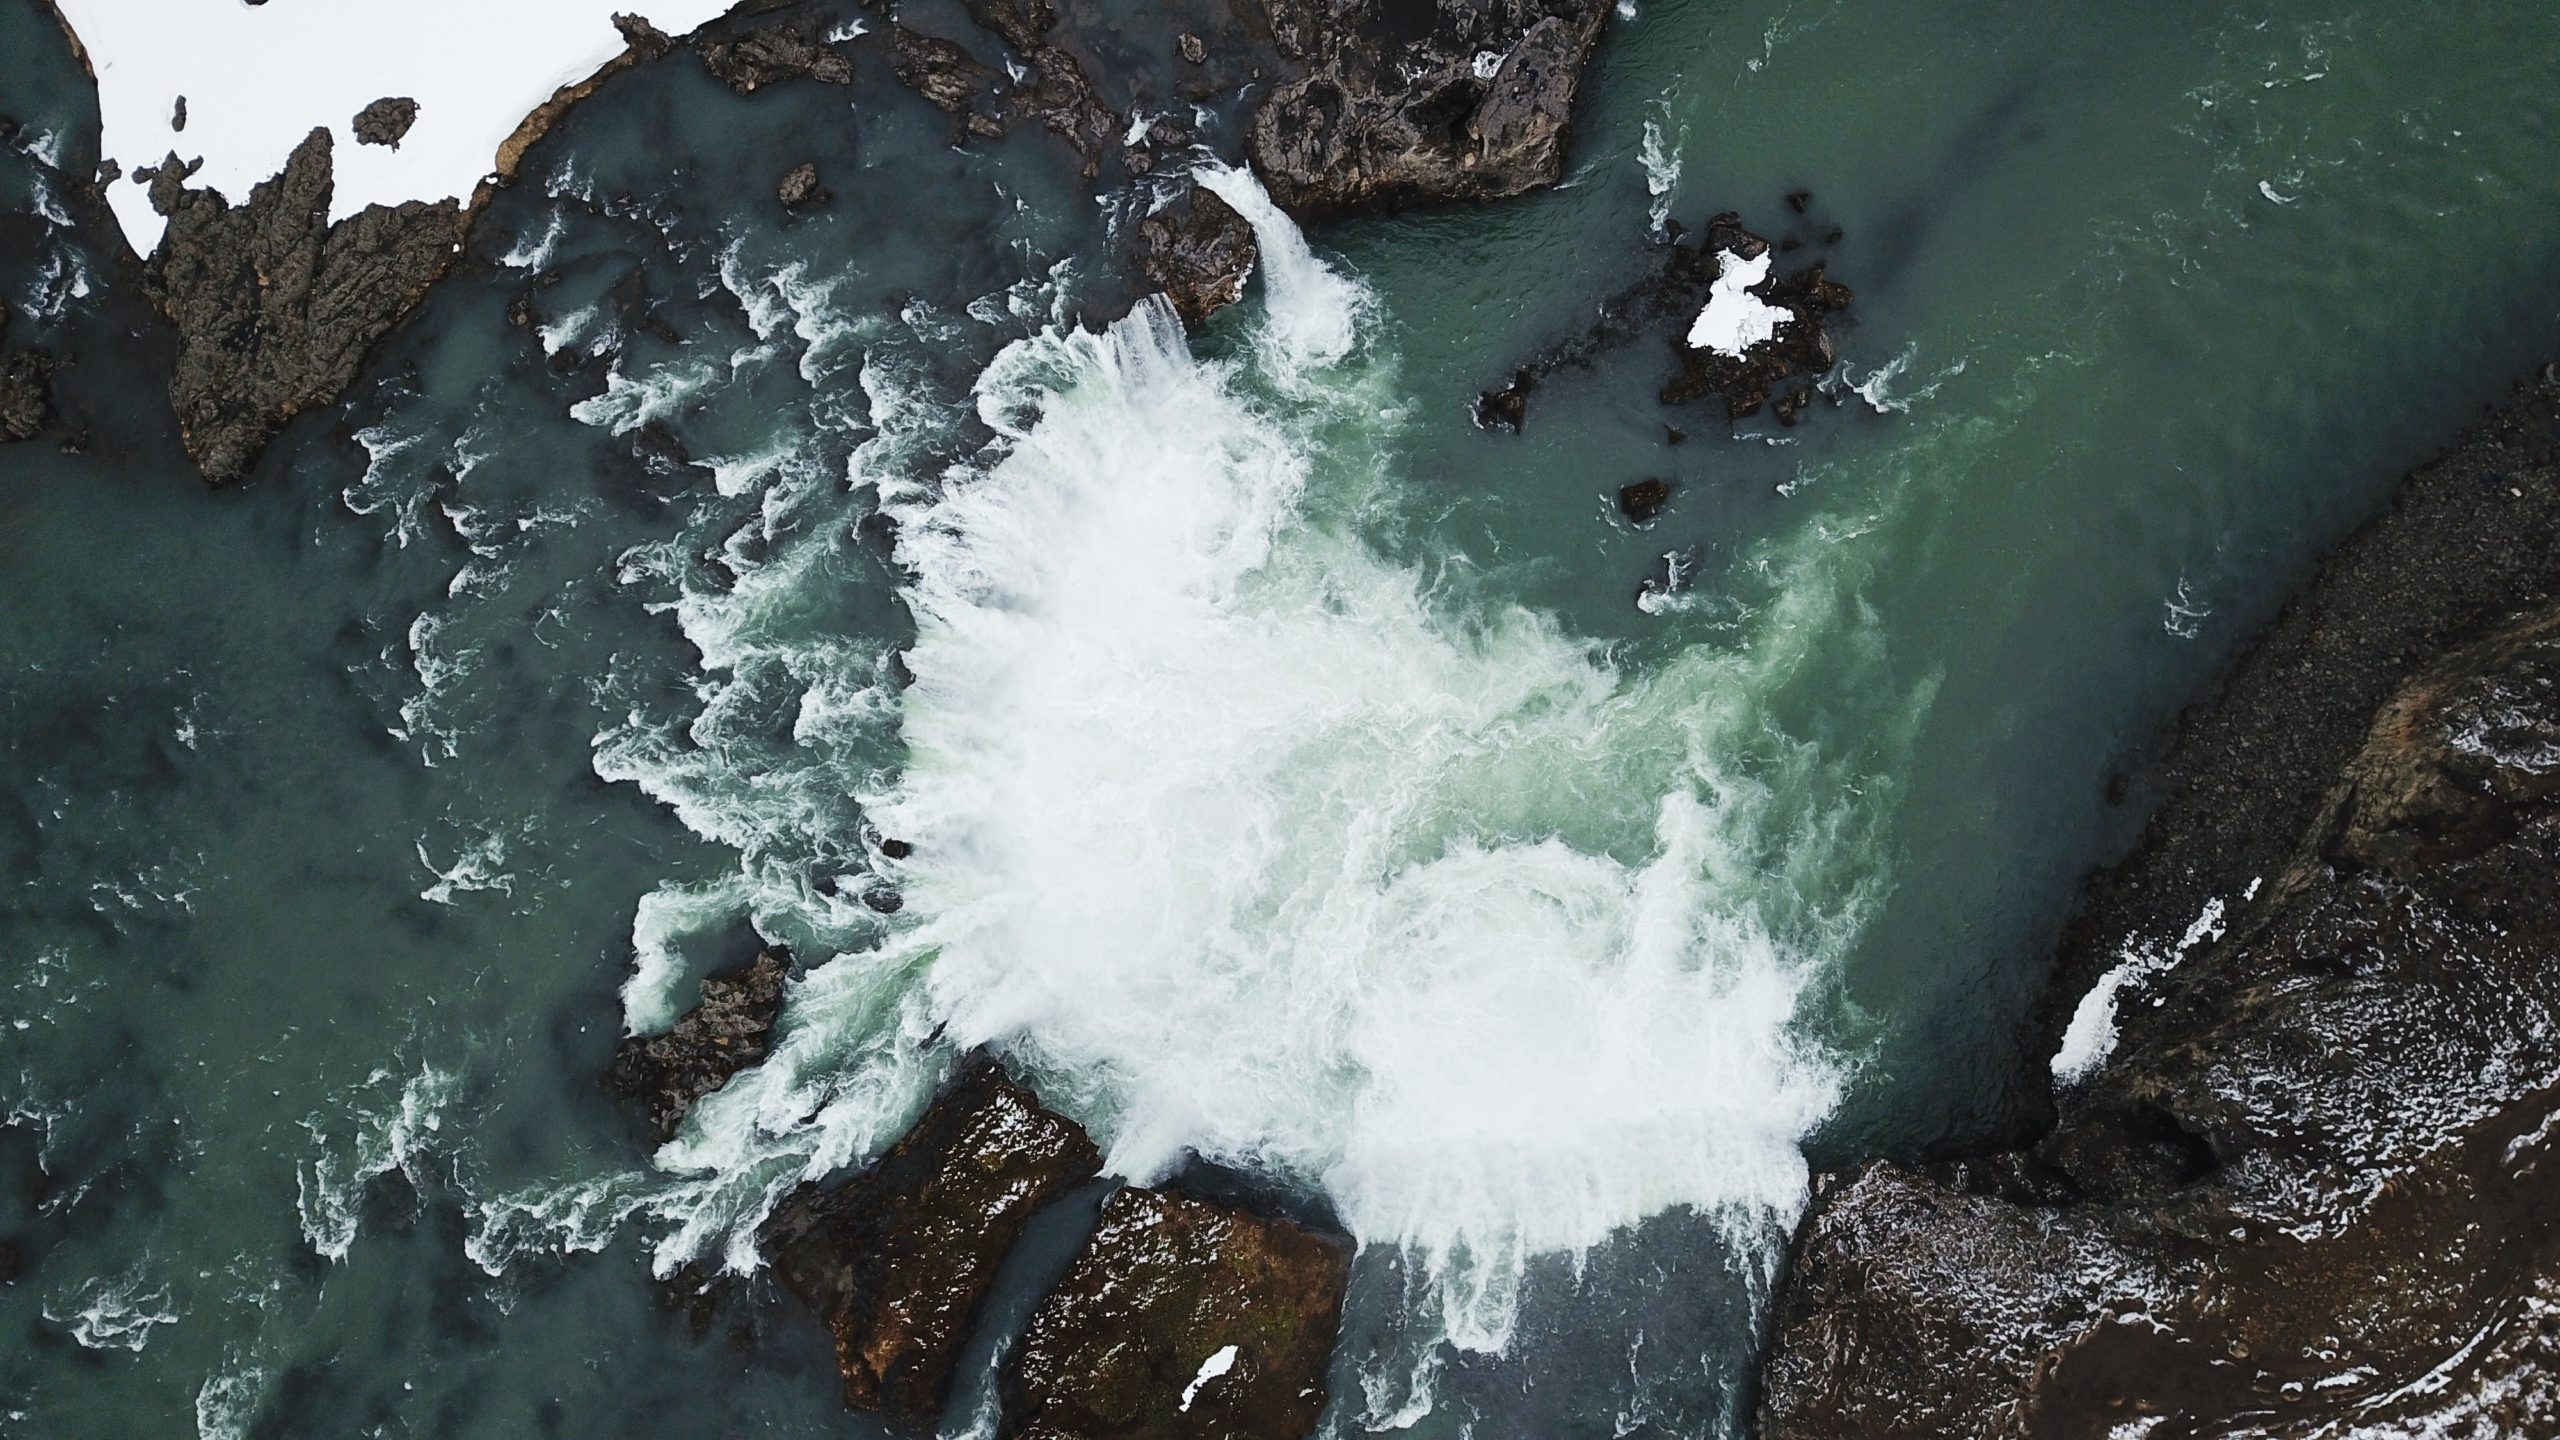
[1735, 320]
[258, 78]
[1210, 1369]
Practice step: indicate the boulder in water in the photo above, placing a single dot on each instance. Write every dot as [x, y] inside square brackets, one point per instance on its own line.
[748, 60]
[800, 190]
[1198, 251]
[1182, 1318]
[729, 1031]
[898, 1260]
[1643, 500]
[1407, 104]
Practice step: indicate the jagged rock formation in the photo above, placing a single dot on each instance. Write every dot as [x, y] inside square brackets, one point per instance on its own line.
[899, 1259]
[274, 306]
[385, 121]
[1779, 373]
[1182, 1318]
[1416, 103]
[748, 60]
[951, 79]
[2309, 1188]
[729, 1031]
[1198, 251]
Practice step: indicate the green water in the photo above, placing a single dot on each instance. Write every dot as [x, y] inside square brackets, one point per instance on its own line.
[2181, 290]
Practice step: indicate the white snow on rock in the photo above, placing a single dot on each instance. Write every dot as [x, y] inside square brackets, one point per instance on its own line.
[1735, 319]
[1210, 1369]
[258, 78]
[2091, 1036]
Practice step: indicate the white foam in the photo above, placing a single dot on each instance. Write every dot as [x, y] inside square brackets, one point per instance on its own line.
[2091, 1036]
[1735, 320]
[1311, 309]
[1659, 154]
[116, 1312]
[258, 78]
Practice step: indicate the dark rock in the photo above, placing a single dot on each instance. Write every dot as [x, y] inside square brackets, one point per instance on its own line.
[641, 38]
[1666, 299]
[1673, 435]
[729, 1031]
[109, 172]
[1167, 1288]
[1391, 108]
[899, 1259]
[887, 902]
[10, 1265]
[2310, 1188]
[1801, 346]
[800, 189]
[1193, 51]
[1024, 24]
[26, 394]
[1643, 500]
[275, 307]
[951, 79]
[747, 61]
[1507, 408]
[896, 849]
[386, 120]
[178, 114]
[1799, 200]
[1198, 251]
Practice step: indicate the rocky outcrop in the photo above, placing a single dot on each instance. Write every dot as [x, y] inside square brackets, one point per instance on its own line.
[1197, 250]
[950, 79]
[1182, 1318]
[748, 60]
[2303, 1181]
[386, 121]
[1417, 103]
[899, 1259]
[730, 1030]
[800, 190]
[274, 306]
[1777, 373]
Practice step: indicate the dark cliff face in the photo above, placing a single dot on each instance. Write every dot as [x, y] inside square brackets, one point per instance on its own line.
[275, 307]
[2312, 1185]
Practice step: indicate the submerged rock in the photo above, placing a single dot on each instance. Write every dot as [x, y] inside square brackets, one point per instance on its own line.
[1198, 251]
[746, 61]
[274, 306]
[899, 1259]
[385, 121]
[1182, 1318]
[951, 79]
[26, 390]
[1415, 103]
[730, 1030]
[2301, 1177]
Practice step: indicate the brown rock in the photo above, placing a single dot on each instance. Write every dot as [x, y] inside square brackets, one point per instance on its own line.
[747, 61]
[951, 79]
[1181, 1319]
[729, 1031]
[1643, 500]
[898, 1259]
[643, 39]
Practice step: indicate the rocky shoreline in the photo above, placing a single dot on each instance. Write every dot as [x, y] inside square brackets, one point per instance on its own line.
[2307, 1085]
[276, 308]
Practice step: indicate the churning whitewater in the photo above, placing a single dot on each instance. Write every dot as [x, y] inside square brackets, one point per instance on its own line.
[1242, 842]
